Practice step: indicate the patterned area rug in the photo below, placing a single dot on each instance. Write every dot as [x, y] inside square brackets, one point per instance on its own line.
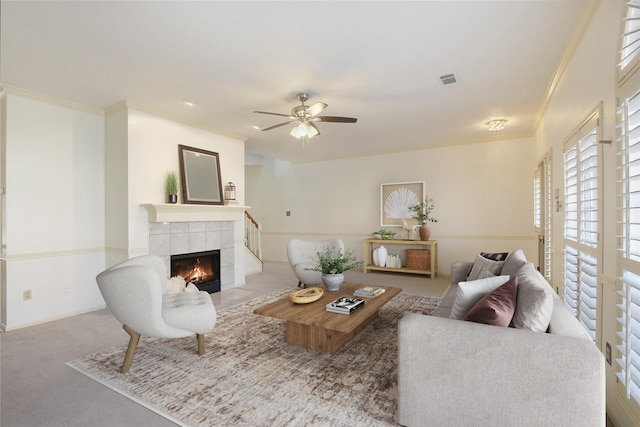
[249, 375]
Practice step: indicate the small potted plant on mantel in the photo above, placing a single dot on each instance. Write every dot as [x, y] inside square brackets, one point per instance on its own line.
[172, 187]
[422, 213]
[332, 263]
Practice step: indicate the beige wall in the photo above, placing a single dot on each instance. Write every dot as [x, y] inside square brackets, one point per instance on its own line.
[53, 218]
[483, 194]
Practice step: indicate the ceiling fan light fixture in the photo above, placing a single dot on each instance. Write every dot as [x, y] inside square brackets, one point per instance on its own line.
[312, 130]
[299, 130]
[496, 125]
[303, 129]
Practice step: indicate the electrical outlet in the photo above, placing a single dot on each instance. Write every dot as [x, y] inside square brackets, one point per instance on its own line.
[608, 353]
[67, 288]
[26, 295]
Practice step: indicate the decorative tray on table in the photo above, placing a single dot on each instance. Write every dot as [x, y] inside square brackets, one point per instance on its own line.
[305, 296]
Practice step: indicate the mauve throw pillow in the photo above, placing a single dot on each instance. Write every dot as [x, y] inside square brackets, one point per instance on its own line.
[497, 307]
[469, 293]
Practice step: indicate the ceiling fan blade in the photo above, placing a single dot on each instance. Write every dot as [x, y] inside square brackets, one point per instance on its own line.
[316, 108]
[278, 125]
[273, 114]
[335, 119]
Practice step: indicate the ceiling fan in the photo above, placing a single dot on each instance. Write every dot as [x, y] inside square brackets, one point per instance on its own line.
[304, 117]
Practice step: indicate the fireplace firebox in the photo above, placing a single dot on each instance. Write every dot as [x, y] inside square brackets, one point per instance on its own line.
[200, 268]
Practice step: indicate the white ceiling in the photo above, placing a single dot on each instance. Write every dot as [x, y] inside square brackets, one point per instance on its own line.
[377, 61]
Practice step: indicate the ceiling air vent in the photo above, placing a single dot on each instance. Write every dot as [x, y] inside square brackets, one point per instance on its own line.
[448, 79]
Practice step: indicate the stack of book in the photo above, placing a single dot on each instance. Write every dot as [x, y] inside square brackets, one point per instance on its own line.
[345, 305]
[369, 291]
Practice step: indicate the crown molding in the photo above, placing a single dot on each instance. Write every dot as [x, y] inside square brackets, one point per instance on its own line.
[576, 37]
[132, 105]
[36, 96]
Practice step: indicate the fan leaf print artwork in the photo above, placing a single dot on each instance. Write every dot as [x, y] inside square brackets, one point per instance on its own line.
[395, 200]
[397, 203]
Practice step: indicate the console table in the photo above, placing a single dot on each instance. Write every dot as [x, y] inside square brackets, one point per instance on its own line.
[368, 255]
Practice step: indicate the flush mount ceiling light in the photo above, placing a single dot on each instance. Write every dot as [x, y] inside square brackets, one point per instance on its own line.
[496, 125]
[303, 116]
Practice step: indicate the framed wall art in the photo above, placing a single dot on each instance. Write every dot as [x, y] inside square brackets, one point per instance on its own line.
[200, 173]
[395, 199]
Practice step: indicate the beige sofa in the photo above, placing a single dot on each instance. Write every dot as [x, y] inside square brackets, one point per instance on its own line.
[459, 373]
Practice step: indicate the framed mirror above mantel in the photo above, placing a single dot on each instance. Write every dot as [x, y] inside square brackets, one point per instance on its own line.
[164, 212]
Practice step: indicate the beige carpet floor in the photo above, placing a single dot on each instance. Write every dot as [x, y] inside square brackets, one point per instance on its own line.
[250, 376]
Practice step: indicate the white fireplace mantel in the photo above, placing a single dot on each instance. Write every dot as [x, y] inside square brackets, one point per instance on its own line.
[184, 212]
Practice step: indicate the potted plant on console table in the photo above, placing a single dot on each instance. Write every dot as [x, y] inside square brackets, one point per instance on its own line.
[332, 263]
[422, 213]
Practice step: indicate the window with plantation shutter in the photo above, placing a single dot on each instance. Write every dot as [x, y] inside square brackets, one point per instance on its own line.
[628, 208]
[537, 200]
[581, 204]
[542, 213]
[629, 244]
[630, 43]
[548, 216]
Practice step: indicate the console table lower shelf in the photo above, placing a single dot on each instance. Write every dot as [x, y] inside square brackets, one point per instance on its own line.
[312, 326]
[433, 256]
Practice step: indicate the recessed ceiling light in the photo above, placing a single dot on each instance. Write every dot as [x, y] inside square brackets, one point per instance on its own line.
[256, 127]
[190, 103]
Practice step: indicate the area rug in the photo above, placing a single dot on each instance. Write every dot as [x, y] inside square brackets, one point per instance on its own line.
[249, 375]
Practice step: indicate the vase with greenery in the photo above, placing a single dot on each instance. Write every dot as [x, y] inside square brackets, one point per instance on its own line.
[172, 187]
[422, 213]
[332, 263]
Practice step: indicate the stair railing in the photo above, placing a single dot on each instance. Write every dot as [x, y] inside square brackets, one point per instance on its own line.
[252, 235]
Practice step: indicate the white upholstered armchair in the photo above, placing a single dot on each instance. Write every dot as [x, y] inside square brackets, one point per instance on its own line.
[302, 255]
[134, 292]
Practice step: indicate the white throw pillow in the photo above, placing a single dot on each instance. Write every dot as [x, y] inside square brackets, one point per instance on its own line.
[469, 293]
[481, 263]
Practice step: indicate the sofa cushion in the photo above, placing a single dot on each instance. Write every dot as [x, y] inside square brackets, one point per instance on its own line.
[480, 264]
[470, 292]
[513, 263]
[534, 303]
[497, 256]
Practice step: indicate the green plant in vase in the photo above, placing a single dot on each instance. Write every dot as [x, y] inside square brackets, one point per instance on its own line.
[332, 263]
[171, 184]
[422, 213]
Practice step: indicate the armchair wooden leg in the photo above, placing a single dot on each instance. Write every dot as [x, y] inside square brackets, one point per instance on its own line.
[200, 344]
[131, 349]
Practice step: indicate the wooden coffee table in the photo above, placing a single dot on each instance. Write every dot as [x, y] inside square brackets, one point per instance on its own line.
[312, 326]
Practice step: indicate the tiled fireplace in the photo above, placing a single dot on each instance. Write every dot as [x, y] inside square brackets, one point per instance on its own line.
[178, 238]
